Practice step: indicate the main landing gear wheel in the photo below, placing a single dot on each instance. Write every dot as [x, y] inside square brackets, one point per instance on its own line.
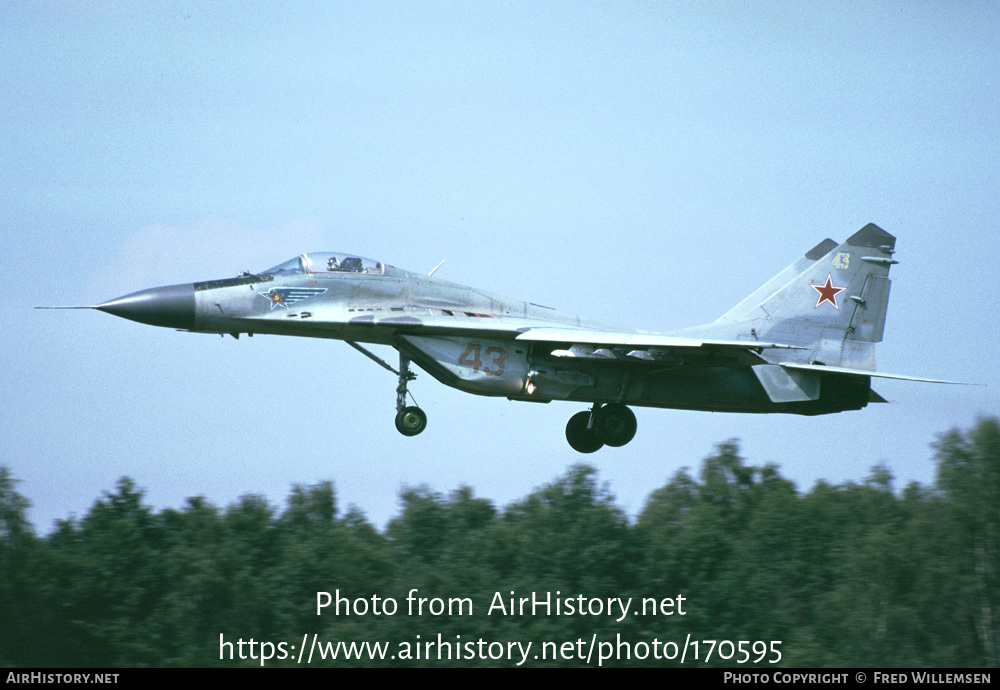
[410, 421]
[615, 424]
[580, 437]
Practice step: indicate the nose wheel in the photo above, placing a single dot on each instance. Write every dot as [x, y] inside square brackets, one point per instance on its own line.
[410, 419]
[612, 425]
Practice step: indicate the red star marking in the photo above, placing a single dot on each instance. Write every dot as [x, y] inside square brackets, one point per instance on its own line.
[276, 297]
[828, 292]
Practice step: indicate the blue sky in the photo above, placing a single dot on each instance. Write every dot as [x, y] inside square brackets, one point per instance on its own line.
[647, 164]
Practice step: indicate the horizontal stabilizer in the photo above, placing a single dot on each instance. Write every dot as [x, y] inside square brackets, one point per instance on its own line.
[864, 372]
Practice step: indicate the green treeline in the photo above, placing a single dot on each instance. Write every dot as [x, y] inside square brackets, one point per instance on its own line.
[848, 575]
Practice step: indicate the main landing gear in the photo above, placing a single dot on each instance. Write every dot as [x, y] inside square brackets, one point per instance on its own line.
[410, 419]
[604, 425]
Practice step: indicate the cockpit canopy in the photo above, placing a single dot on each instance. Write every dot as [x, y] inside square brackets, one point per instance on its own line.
[327, 262]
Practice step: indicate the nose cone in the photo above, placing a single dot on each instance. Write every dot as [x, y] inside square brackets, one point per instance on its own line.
[171, 306]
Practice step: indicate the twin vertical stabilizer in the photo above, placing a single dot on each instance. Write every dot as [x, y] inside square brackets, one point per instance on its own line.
[832, 301]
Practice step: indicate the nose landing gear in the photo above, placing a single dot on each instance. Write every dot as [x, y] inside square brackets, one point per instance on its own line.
[612, 425]
[410, 419]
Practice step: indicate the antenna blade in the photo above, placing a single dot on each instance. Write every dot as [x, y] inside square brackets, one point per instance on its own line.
[436, 267]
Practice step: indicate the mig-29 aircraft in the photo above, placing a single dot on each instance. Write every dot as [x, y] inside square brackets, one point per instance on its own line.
[803, 343]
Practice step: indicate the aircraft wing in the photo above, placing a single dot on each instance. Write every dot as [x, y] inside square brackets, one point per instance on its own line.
[651, 347]
[643, 340]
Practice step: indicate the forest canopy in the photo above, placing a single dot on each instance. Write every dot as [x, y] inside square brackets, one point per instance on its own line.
[843, 575]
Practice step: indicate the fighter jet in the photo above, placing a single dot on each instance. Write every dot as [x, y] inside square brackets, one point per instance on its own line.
[803, 343]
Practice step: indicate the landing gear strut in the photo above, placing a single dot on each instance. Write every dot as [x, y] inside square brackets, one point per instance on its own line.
[612, 425]
[410, 419]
